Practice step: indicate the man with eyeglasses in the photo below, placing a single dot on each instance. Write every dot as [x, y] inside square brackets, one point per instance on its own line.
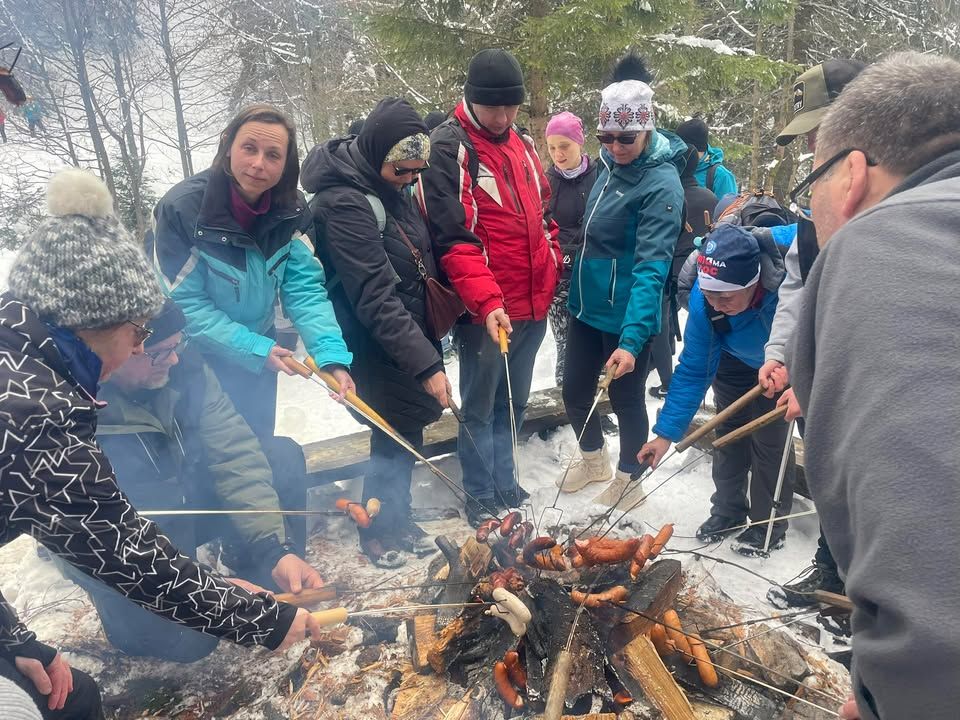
[879, 323]
[176, 442]
[813, 92]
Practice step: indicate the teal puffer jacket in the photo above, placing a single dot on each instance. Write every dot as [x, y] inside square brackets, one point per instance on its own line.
[633, 219]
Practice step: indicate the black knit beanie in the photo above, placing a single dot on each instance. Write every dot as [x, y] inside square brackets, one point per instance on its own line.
[694, 132]
[391, 121]
[494, 78]
[166, 323]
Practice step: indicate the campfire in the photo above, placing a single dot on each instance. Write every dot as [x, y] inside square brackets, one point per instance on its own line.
[584, 628]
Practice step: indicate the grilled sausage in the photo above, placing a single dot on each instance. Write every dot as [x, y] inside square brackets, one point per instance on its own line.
[501, 678]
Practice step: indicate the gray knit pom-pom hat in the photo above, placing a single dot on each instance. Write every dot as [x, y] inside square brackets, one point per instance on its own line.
[79, 268]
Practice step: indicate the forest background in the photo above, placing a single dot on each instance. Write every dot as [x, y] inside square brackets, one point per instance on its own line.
[138, 90]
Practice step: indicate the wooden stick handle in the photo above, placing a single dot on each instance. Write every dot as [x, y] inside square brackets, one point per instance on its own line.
[608, 376]
[298, 367]
[503, 341]
[734, 407]
[751, 427]
[833, 599]
[351, 397]
[333, 616]
[558, 686]
[309, 597]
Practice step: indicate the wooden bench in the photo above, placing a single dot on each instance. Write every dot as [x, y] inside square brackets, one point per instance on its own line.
[346, 456]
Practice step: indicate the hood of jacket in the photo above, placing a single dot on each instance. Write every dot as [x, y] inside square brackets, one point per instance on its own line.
[713, 156]
[664, 147]
[336, 163]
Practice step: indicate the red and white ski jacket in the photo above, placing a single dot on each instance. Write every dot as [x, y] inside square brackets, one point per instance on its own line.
[492, 233]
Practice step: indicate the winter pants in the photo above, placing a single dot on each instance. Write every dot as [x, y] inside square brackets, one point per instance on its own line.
[587, 352]
[823, 558]
[662, 347]
[254, 395]
[388, 479]
[758, 454]
[82, 704]
[559, 315]
[483, 392]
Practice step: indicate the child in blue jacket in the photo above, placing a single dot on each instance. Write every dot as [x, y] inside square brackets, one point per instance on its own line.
[730, 315]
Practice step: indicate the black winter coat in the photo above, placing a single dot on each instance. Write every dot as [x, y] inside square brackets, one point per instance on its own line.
[373, 281]
[568, 200]
[697, 199]
[57, 486]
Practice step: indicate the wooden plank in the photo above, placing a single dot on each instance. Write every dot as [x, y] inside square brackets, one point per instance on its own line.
[423, 638]
[656, 591]
[346, 456]
[640, 665]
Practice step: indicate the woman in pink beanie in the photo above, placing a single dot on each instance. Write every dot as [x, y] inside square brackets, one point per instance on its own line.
[571, 177]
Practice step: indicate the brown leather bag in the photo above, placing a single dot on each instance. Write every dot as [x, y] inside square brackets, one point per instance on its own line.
[444, 306]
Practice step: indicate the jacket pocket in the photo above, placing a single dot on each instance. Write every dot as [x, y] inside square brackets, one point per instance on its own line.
[223, 288]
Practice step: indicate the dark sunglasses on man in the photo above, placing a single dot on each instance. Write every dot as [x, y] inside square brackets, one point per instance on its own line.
[401, 171]
[623, 138]
[800, 195]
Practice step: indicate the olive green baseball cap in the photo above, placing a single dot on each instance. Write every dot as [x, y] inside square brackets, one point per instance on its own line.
[813, 92]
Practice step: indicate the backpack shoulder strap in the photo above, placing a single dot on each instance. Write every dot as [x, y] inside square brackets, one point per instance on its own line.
[711, 177]
[473, 160]
[379, 212]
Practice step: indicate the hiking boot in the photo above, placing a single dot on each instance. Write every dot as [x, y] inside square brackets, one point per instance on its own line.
[381, 555]
[659, 392]
[477, 513]
[413, 539]
[512, 498]
[593, 466]
[799, 592]
[750, 542]
[716, 528]
[623, 490]
[608, 426]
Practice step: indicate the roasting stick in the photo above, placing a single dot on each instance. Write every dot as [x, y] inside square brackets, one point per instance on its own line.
[752, 427]
[602, 387]
[339, 615]
[505, 352]
[311, 371]
[312, 596]
[713, 422]
[784, 461]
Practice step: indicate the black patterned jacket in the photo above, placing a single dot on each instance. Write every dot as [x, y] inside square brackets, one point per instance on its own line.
[57, 486]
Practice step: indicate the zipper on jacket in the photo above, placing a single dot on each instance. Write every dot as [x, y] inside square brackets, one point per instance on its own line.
[613, 282]
[586, 228]
[513, 194]
[232, 280]
[277, 263]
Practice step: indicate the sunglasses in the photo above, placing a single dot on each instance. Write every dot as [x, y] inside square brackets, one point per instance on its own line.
[801, 194]
[160, 356]
[400, 172]
[623, 139]
[142, 332]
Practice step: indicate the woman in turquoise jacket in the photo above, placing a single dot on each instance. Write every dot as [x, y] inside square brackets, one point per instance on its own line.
[633, 219]
[231, 240]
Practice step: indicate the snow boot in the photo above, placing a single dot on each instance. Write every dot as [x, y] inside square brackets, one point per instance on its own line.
[618, 492]
[716, 527]
[512, 498]
[477, 513]
[749, 543]
[799, 592]
[593, 466]
[659, 392]
[413, 539]
[380, 555]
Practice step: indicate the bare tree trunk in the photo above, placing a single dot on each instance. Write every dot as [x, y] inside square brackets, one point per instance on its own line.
[784, 159]
[537, 88]
[186, 158]
[74, 25]
[126, 139]
[755, 122]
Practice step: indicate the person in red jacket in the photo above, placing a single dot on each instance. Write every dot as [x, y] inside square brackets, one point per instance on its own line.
[485, 196]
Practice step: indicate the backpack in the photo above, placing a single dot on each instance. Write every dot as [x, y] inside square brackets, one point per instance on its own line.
[756, 209]
[473, 160]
